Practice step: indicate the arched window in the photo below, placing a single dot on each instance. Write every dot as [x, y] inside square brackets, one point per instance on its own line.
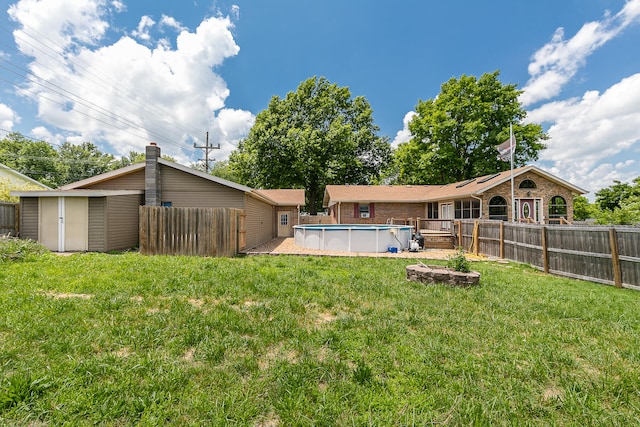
[498, 208]
[557, 207]
[527, 183]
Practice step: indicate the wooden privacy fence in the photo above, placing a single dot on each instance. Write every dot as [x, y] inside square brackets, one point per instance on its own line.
[609, 255]
[9, 219]
[191, 231]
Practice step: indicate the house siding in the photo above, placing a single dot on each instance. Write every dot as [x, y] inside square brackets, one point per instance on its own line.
[184, 190]
[29, 218]
[122, 222]
[132, 181]
[97, 229]
[259, 222]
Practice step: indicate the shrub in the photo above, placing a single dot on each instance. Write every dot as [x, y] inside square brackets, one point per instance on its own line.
[458, 262]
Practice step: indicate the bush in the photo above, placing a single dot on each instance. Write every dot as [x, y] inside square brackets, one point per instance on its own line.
[458, 262]
[13, 249]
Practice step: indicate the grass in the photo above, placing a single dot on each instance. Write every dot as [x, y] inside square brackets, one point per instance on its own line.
[267, 341]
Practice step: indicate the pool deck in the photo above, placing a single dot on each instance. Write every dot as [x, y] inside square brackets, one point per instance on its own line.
[287, 246]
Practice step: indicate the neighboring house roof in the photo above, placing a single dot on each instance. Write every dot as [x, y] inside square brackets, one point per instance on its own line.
[424, 193]
[15, 176]
[284, 197]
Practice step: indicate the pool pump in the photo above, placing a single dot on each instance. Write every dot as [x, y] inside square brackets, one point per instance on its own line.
[417, 242]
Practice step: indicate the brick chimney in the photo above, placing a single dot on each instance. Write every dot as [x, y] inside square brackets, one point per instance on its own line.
[152, 193]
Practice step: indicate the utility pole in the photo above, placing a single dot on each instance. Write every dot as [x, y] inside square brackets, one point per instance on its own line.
[206, 148]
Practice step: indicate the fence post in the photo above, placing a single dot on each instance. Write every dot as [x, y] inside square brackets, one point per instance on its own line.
[615, 257]
[476, 236]
[501, 239]
[545, 251]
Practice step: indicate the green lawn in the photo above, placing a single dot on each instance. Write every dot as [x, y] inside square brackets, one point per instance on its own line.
[280, 341]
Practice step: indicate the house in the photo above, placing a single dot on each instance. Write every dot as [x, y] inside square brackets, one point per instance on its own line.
[101, 213]
[540, 197]
[11, 179]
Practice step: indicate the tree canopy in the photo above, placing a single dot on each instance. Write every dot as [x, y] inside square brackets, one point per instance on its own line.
[315, 136]
[455, 135]
[54, 167]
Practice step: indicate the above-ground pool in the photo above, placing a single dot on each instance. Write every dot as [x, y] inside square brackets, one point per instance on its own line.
[353, 237]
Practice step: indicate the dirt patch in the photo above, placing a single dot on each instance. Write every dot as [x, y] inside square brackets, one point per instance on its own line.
[124, 352]
[61, 295]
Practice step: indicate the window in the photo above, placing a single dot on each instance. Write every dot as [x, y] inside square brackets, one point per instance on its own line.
[363, 210]
[432, 210]
[166, 204]
[284, 219]
[498, 208]
[557, 207]
[467, 208]
[527, 183]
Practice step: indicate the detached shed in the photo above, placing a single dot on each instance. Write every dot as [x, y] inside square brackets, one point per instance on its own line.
[101, 213]
[81, 220]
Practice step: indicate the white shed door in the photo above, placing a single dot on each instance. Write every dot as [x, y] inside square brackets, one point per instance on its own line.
[64, 223]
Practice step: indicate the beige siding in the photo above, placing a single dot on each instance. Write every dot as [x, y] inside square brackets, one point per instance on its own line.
[29, 218]
[122, 225]
[97, 224]
[259, 223]
[184, 190]
[132, 181]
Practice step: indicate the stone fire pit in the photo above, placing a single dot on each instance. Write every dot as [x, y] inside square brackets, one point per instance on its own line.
[431, 274]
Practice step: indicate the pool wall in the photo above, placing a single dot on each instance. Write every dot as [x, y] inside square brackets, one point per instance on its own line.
[353, 237]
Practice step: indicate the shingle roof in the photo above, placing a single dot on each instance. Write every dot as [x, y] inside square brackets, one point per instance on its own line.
[284, 197]
[424, 193]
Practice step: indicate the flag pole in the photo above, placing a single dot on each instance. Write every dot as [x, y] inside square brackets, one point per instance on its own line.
[513, 148]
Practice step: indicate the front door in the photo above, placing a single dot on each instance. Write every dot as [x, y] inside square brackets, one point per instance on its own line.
[528, 210]
[285, 228]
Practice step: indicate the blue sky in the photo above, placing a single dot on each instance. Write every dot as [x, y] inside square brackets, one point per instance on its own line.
[122, 73]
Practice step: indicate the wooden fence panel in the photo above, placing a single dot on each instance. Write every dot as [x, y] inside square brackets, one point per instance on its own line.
[190, 231]
[629, 253]
[609, 255]
[580, 252]
[9, 215]
[489, 238]
[523, 243]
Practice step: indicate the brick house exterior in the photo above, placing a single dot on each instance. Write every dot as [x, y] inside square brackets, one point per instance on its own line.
[539, 196]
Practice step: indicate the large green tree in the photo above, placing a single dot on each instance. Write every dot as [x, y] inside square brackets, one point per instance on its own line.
[315, 136]
[454, 135]
[80, 161]
[35, 159]
[54, 167]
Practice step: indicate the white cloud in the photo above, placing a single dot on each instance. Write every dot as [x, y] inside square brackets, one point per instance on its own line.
[554, 64]
[8, 118]
[144, 26]
[171, 22]
[592, 136]
[118, 6]
[125, 94]
[61, 22]
[231, 126]
[404, 135]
